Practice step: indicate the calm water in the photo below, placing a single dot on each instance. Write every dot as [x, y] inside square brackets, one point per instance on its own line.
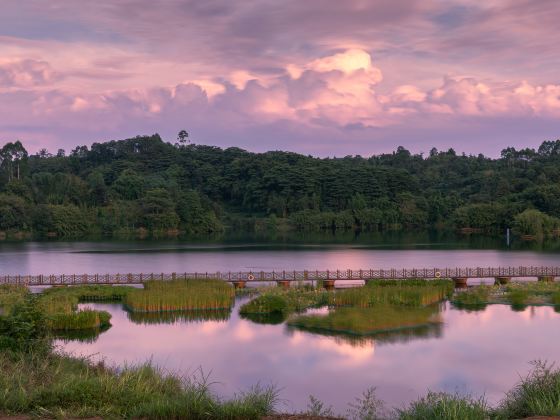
[361, 253]
[478, 352]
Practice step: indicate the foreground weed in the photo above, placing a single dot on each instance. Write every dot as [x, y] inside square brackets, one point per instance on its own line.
[443, 406]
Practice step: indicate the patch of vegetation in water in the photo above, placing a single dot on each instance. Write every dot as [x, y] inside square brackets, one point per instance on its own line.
[517, 294]
[279, 301]
[171, 317]
[181, 295]
[368, 321]
[478, 296]
[414, 293]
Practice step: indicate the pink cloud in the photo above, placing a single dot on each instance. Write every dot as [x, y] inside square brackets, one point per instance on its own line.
[26, 73]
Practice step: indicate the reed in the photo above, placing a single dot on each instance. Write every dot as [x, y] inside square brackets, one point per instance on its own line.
[180, 295]
[415, 293]
[474, 296]
[368, 321]
[537, 394]
[276, 301]
[171, 317]
[54, 386]
[439, 405]
[11, 296]
[80, 320]
[59, 305]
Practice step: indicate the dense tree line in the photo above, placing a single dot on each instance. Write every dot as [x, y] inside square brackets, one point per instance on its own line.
[146, 184]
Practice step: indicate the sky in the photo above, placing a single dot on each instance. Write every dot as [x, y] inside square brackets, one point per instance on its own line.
[319, 77]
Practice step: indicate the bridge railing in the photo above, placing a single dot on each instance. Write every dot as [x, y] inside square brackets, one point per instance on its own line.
[285, 275]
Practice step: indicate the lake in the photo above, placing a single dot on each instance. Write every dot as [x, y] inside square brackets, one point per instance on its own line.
[477, 352]
[480, 352]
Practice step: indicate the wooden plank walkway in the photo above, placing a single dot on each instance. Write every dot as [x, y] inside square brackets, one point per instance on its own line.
[286, 275]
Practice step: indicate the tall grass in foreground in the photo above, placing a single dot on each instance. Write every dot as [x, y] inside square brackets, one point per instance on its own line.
[445, 406]
[181, 295]
[60, 387]
[366, 321]
[537, 394]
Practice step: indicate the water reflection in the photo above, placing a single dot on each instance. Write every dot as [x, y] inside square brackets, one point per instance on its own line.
[403, 335]
[254, 253]
[481, 352]
[172, 317]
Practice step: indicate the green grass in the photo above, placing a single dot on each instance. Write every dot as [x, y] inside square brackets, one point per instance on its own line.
[59, 387]
[180, 295]
[10, 296]
[171, 317]
[79, 320]
[537, 394]
[399, 292]
[282, 302]
[518, 294]
[443, 406]
[474, 296]
[367, 321]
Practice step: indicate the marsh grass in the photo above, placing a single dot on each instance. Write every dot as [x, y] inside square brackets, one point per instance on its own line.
[518, 294]
[537, 394]
[60, 306]
[280, 302]
[79, 320]
[474, 296]
[414, 293]
[171, 317]
[367, 321]
[10, 296]
[444, 406]
[60, 387]
[181, 295]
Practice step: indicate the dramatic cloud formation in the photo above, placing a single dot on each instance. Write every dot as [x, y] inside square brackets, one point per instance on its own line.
[321, 77]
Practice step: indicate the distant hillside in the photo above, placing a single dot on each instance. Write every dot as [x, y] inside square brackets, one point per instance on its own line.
[146, 185]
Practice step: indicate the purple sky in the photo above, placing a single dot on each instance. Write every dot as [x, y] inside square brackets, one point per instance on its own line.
[321, 77]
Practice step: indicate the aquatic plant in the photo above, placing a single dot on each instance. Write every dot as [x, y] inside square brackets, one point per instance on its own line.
[367, 321]
[415, 293]
[440, 405]
[10, 296]
[286, 301]
[537, 394]
[180, 295]
[171, 317]
[79, 320]
[475, 296]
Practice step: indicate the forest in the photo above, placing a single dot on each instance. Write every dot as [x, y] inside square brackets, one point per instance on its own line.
[149, 187]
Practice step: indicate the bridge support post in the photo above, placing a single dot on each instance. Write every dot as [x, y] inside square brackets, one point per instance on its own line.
[546, 278]
[328, 284]
[460, 282]
[285, 284]
[502, 279]
[239, 284]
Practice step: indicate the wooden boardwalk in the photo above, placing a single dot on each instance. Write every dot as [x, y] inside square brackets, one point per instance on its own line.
[287, 276]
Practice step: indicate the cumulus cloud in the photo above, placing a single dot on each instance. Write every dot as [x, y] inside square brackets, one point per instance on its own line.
[26, 73]
[363, 72]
